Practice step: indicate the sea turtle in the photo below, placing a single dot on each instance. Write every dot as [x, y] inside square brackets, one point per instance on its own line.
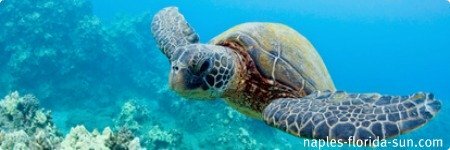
[270, 72]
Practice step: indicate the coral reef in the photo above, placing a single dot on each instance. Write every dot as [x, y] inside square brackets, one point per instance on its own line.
[132, 116]
[24, 125]
[80, 138]
[158, 138]
[137, 118]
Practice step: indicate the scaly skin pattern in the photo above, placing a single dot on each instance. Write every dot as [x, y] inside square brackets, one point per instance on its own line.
[202, 70]
[340, 115]
[171, 30]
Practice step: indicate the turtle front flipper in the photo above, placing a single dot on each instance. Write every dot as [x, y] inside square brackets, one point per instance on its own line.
[339, 115]
[171, 30]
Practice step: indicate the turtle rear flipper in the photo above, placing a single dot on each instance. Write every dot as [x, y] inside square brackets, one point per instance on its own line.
[339, 115]
[171, 30]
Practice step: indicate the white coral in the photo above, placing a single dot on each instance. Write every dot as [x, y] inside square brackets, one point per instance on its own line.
[25, 126]
[80, 138]
[40, 117]
[14, 140]
[132, 116]
[135, 144]
[9, 103]
[156, 134]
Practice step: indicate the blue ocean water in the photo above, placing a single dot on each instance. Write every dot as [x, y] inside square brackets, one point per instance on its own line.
[86, 62]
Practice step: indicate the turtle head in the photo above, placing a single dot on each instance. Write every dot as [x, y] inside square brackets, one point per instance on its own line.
[201, 71]
[198, 71]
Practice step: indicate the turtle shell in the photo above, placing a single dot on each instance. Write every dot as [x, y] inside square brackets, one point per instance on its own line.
[280, 54]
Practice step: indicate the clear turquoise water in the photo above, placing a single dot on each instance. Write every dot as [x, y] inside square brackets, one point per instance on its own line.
[391, 47]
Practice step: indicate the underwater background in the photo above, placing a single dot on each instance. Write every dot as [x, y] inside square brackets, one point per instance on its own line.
[95, 63]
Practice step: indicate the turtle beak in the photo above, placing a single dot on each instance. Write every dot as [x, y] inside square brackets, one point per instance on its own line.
[187, 84]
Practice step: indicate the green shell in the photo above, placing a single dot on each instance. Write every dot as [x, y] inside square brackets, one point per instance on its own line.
[281, 54]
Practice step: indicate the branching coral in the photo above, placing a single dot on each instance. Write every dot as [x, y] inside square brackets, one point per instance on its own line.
[80, 138]
[159, 138]
[132, 116]
[23, 125]
[136, 117]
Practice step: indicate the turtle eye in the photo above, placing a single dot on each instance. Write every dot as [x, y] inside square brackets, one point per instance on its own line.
[201, 67]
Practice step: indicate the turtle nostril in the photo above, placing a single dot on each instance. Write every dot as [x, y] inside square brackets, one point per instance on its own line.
[199, 69]
[175, 68]
[204, 66]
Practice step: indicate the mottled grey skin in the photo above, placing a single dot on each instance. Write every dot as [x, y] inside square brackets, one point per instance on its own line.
[179, 33]
[221, 70]
[341, 115]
